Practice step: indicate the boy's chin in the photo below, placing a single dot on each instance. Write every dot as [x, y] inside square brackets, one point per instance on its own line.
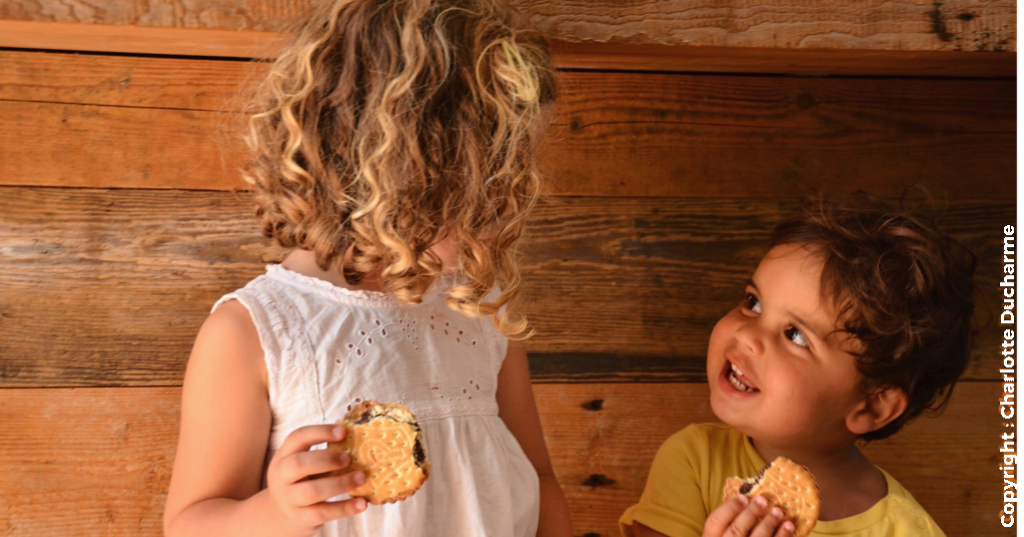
[733, 417]
[725, 414]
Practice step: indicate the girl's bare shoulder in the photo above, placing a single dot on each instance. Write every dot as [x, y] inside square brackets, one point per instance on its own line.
[228, 341]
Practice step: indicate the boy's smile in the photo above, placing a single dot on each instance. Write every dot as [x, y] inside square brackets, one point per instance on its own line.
[779, 370]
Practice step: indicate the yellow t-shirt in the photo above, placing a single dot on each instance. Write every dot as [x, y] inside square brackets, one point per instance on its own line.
[684, 486]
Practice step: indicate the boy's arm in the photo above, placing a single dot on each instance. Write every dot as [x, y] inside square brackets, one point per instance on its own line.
[518, 410]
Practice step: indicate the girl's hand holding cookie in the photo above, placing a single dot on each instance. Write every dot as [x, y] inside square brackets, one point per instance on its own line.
[299, 481]
[743, 517]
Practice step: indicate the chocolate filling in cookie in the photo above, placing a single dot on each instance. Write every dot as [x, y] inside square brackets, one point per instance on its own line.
[752, 482]
[418, 453]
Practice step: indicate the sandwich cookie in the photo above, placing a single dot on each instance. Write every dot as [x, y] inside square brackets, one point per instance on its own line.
[786, 485]
[386, 444]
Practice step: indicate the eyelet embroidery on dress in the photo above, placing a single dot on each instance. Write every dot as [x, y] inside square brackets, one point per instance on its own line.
[406, 328]
[452, 399]
[448, 330]
[455, 394]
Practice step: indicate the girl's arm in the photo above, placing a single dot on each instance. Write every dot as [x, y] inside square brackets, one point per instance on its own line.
[225, 428]
[518, 410]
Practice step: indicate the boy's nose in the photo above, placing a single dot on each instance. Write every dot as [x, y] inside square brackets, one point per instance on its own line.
[749, 339]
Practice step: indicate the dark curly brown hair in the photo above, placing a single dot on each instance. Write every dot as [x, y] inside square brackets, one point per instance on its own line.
[903, 289]
[389, 125]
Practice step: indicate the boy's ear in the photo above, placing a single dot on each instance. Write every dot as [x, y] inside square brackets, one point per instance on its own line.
[877, 410]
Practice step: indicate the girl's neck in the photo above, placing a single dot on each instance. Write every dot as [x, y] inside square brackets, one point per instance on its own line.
[304, 262]
[849, 483]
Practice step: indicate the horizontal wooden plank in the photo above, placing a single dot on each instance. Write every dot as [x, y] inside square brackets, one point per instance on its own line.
[785, 102]
[132, 147]
[676, 135]
[128, 122]
[144, 39]
[101, 463]
[109, 287]
[846, 24]
[217, 85]
[565, 54]
[843, 24]
[788, 61]
[127, 81]
[98, 461]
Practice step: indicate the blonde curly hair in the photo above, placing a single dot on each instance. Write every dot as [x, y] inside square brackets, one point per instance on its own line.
[389, 125]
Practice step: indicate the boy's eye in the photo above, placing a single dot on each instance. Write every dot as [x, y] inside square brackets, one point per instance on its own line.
[752, 303]
[793, 334]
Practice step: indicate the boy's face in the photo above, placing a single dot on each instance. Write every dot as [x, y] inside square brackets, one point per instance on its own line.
[777, 371]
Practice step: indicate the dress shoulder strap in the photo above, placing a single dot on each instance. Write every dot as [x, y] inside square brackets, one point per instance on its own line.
[287, 351]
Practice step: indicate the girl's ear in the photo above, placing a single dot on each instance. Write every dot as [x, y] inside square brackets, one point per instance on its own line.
[877, 410]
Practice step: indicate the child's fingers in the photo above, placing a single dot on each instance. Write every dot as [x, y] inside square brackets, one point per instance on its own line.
[720, 518]
[787, 529]
[314, 491]
[310, 463]
[766, 528]
[747, 517]
[303, 438]
[324, 512]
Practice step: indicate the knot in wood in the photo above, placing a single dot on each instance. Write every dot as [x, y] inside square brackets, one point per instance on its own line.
[598, 480]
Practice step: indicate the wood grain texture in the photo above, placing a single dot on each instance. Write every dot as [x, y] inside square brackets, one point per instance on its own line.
[74, 145]
[979, 25]
[109, 287]
[790, 61]
[679, 135]
[840, 24]
[565, 54]
[97, 461]
[128, 122]
[86, 462]
[140, 39]
[127, 81]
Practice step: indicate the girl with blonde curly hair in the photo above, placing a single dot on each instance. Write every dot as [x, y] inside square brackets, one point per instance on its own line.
[393, 150]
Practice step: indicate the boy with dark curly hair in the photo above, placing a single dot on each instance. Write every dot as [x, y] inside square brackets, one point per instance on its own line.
[858, 319]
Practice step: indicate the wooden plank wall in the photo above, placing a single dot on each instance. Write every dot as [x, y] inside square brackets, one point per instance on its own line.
[982, 25]
[122, 221]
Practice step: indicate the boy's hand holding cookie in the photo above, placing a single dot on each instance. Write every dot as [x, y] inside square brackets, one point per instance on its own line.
[786, 485]
[299, 481]
[743, 517]
[783, 490]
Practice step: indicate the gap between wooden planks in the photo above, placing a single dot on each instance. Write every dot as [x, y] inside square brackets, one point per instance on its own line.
[130, 39]
[98, 460]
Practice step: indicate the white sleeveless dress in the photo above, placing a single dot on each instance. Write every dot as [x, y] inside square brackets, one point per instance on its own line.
[327, 348]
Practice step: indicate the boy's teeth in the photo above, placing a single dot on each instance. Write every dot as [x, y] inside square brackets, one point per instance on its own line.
[734, 371]
[737, 384]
